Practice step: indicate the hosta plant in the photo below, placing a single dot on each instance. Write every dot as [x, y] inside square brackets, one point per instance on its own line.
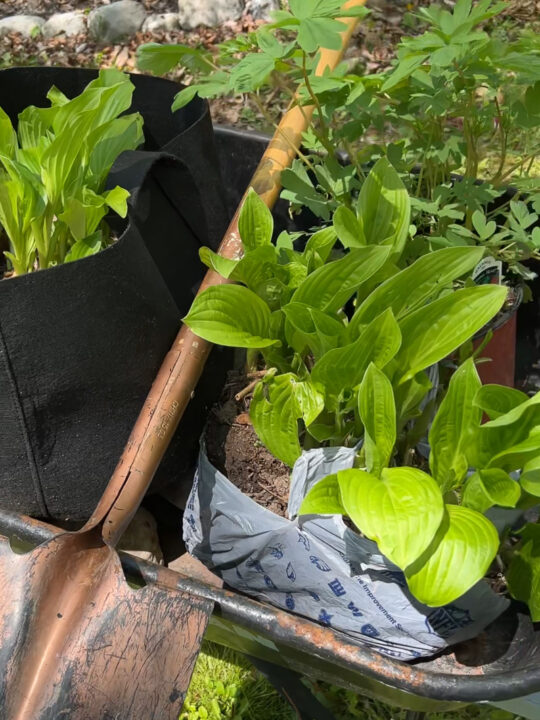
[53, 169]
[431, 520]
[318, 317]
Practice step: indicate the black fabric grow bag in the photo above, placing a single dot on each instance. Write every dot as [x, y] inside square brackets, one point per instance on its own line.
[81, 343]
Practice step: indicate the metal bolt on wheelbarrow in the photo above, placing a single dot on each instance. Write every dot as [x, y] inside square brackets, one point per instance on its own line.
[87, 633]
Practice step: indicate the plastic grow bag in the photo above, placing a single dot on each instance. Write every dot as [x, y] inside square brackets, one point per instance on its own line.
[317, 567]
[81, 343]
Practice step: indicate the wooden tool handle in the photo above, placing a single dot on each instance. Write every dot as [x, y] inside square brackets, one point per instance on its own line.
[183, 365]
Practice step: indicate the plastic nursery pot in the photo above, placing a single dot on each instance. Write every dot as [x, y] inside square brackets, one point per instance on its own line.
[81, 343]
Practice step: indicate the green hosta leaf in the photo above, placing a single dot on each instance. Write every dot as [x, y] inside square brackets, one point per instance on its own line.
[308, 327]
[347, 228]
[222, 265]
[344, 367]
[523, 574]
[310, 400]
[515, 456]
[456, 420]
[231, 315]
[486, 488]
[497, 437]
[116, 199]
[323, 499]
[496, 400]
[106, 143]
[384, 208]
[530, 477]
[378, 414]
[256, 267]
[459, 557]
[274, 414]
[8, 137]
[433, 332]
[401, 511]
[412, 287]
[319, 246]
[409, 396]
[255, 222]
[84, 248]
[329, 287]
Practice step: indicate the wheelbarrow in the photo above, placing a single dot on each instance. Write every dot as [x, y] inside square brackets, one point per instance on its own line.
[89, 633]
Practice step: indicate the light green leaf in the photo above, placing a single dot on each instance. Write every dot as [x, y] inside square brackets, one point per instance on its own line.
[515, 456]
[434, 331]
[347, 228]
[323, 499]
[460, 556]
[84, 248]
[384, 208]
[496, 400]
[523, 575]
[222, 265]
[486, 488]
[454, 424]
[251, 71]
[231, 315]
[257, 266]
[160, 59]
[116, 199]
[308, 327]
[329, 287]
[8, 137]
[530, 477]
[274, 414]
[320, 246]
[255, 222]
[344, 367]
[401, 511]
[412, 287]
[310, 400]
[378, 414]
[500, 436]
[404, 69]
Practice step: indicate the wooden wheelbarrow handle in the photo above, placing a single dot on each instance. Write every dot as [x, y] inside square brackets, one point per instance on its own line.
[177, 379]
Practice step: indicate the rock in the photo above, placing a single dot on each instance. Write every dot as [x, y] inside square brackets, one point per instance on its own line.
[261, 9]
[69, 23]
[116, 21]
[27, 25]
[192, 13]
[163, 22]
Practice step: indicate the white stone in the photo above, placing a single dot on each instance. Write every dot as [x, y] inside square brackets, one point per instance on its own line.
[192, 13]
[261, 9]
[69, 23]
[24, 24]
[110, 23]
[163, 22]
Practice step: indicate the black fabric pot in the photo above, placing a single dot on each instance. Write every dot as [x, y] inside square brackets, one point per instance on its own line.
[81, 343]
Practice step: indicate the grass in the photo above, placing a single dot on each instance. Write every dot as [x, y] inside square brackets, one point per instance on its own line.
[225, 686]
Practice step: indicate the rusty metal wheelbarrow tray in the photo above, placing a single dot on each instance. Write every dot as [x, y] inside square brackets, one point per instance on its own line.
[501, 665]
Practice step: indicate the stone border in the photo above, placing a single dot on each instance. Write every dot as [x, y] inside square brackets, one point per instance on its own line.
[122, 19]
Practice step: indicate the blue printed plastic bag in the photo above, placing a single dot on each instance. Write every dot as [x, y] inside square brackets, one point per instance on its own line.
[317, 567]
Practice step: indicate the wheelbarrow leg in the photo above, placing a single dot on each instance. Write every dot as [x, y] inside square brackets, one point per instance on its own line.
[289, 684]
